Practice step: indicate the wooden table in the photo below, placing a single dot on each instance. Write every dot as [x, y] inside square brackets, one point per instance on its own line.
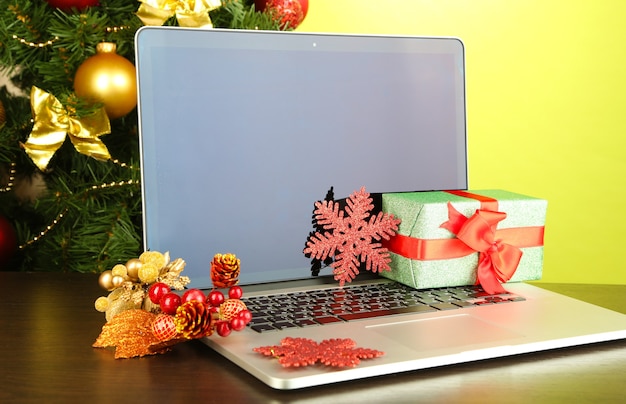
[48, 323]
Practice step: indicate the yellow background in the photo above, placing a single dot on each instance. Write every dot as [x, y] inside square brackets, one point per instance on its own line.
[546, 104]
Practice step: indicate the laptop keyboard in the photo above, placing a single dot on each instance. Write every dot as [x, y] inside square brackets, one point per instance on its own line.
[357, 302]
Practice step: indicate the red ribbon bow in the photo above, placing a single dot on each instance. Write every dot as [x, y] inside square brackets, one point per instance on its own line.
[497, 261]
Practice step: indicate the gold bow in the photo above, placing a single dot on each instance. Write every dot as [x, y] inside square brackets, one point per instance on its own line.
[189, 13]
[53, 122]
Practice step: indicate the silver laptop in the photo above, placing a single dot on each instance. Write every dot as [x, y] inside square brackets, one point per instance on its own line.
[242, 131]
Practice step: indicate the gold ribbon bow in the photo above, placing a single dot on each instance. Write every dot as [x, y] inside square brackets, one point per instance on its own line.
[53, 123]
[189, 13]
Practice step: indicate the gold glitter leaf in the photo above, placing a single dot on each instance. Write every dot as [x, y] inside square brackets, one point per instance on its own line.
[130, 332]
[170, 275]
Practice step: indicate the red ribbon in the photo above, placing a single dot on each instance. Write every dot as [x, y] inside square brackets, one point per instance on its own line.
[497, 261]
[499, 250]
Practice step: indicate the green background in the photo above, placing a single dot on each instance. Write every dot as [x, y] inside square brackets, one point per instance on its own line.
[546, 94]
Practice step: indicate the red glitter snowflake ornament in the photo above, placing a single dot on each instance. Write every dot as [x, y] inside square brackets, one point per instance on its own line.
[353, 238]
[298, 352]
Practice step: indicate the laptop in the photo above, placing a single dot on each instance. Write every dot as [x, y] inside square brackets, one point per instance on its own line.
[241, 132]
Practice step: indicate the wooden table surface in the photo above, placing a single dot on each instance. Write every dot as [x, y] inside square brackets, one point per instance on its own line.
[48, 323]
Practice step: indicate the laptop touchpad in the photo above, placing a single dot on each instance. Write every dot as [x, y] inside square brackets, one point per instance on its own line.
[443, 332]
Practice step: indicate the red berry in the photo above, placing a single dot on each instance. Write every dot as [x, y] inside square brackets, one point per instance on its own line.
[169, 303]
[235, 292]
[215, 298]
[223, 328]
[237, 323]
[156, 291]
[193, 294]
[245, 315]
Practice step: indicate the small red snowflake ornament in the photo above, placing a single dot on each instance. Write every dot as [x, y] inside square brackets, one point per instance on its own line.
[352, 237]
[299, 352]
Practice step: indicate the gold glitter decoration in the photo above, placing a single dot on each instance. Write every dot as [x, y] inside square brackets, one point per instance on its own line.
[102, 304]
[35, 44]
[130, 332]
[225, 270]
[170, 275]
[124, 165]
[129, 283]
[153, 257]
[147, 304]
[116, 29]
[118, 305]
[11, 179]
[86, 192]
[25, 19]
[137, 327]
[148, 273]
[119, 270]
[45, 231]
[114, 184]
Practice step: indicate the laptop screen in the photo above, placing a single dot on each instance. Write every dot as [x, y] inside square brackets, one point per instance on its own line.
[242, 131]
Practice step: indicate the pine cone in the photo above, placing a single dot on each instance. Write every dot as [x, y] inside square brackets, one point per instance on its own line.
[193, 319]
[225, 270]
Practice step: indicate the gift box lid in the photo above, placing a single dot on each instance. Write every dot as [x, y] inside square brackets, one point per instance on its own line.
[422, 213]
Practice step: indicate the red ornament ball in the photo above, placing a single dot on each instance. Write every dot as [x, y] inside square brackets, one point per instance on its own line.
[223, 328]
[231, 308]
[289, 13]
[260, 5]
[169, 303]
[193, 294]
[245, 315]
[215, 298]
[8, 242]
[235, 292]
[157, 291]
[164, 327]
[237, 324]
[67, 5]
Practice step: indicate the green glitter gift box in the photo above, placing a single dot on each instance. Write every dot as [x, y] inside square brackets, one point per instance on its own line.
[458, 238]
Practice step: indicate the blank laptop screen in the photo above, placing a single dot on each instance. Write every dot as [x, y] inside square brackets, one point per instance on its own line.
[242, 131]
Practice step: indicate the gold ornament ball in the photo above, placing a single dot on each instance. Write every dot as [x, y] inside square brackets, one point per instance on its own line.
[108, 78]
[106, 280]
[132, 266]
[117, 281]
